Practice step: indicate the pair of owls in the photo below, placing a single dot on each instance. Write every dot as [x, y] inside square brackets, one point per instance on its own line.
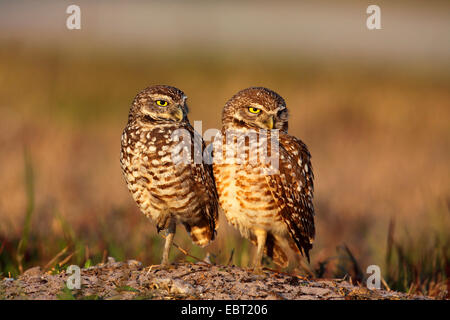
[273, 209]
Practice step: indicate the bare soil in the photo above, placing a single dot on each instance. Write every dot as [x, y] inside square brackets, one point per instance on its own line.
[131, 280]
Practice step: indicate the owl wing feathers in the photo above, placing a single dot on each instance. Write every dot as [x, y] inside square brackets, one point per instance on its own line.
[292, 189]
[202, 174]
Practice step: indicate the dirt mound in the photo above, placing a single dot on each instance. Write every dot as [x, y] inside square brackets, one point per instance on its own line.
[130, 280]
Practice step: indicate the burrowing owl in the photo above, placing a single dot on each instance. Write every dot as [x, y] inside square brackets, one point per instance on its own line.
[167, 188]
[274, 209]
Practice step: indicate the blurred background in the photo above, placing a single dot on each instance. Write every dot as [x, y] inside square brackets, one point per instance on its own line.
[372, 105]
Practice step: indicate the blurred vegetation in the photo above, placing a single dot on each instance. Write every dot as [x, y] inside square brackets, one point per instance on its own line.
[379, 139]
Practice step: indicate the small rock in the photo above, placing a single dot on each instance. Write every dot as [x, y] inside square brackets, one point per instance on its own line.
[174, 286]
[111, 260]
[35, 271]
[315, 291]
[181, 287]
[134, 263]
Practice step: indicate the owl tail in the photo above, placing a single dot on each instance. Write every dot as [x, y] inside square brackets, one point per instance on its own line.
[274, 251]
[201, 233]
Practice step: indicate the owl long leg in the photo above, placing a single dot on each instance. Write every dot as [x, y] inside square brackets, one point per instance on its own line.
[169, 240]
[261, 237]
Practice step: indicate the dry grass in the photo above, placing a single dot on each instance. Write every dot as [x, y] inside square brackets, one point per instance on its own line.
[379, 139]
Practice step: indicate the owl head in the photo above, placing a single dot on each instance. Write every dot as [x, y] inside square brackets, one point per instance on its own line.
[257, 108]
[159, 103]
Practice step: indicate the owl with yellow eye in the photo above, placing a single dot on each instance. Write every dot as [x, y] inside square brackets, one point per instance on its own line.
[272, 208]
[167, 191]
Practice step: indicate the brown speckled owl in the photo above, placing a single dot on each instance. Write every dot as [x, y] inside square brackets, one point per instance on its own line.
[272, 208]
[158, 164]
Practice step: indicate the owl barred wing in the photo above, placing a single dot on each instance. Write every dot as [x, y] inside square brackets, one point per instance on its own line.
[202, 174]
[293, 189]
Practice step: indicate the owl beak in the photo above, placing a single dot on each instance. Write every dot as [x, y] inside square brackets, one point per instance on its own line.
[269, 123]
[178, 114]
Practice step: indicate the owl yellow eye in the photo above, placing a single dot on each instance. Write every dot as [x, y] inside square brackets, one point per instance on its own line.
[254, 110]
[162, 103]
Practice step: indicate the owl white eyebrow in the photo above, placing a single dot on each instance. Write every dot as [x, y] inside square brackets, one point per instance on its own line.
[160, 97]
